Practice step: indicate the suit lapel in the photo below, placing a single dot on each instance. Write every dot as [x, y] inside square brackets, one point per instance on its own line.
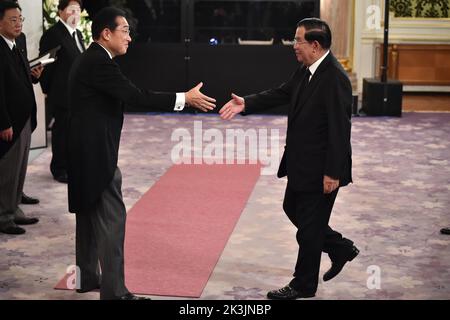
[297, 94]
[303, 98]
[21, 71]
[80, 38]
[24, 62]
[67, 39]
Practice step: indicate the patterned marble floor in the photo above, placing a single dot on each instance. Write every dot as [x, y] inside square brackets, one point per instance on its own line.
[393, 212]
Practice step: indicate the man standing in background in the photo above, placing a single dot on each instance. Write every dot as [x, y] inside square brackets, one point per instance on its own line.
[54, 80]
[17, 118]
[21, 42]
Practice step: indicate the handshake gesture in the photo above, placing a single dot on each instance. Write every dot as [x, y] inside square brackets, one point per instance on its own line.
[198, 100]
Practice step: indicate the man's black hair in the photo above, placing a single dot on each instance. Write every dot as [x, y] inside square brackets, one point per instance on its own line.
[7, 5]
[105, 19]
[63, 4]
[317, 30]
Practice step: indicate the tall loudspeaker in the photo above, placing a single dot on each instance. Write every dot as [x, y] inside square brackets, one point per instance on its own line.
[382, 98]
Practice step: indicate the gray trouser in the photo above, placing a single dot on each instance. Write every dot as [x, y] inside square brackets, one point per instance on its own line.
[13, 169]
[100, 235]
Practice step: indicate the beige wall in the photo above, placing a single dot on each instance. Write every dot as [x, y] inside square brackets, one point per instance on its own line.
[402, 31]
[32, 11]
[339, 15]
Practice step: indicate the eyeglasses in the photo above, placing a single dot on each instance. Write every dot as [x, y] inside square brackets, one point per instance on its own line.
[17, 20]
[126, 31]
[297, 41]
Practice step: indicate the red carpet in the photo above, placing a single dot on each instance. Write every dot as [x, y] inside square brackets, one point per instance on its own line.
[176, 232]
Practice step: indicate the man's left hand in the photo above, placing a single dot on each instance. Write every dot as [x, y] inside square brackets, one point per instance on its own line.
[37, 71]
[329, 184]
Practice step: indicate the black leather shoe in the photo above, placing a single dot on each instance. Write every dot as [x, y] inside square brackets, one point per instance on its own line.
[337, 265]
[12, 229]
[84, 290]
[287, 293]
[130, 296]
[62, 178]
[28, 200]
[23, 221]
[445, 231]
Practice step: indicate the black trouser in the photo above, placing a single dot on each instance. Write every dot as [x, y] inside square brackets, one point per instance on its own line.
[13, 169]
[58, 165]
[49, 114]
[310, 213]
[100, 236]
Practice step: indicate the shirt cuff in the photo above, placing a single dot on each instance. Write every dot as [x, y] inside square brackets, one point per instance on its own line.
[180, 101]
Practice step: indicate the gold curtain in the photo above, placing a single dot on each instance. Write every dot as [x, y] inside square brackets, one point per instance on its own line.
[339, 15]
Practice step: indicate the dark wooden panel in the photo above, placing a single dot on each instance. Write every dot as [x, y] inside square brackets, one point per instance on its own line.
[419, 64]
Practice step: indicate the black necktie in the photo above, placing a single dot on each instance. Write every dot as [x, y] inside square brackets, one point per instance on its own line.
[305, 82]
[302, 88]
[17, 56]
[19, 61]
[74, 36]
[307, 76]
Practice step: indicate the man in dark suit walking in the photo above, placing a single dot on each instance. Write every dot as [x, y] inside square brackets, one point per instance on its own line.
[317, 158]
[97, 91]
[17, 118]
[54, 80]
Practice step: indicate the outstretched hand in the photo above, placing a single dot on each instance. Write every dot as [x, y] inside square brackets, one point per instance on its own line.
[198, 100]
[233, 107]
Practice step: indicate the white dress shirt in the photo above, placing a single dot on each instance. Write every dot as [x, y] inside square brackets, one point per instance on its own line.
[313, 68]
[10, 43]
[71, 31]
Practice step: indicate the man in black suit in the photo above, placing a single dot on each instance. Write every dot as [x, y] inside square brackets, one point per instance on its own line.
[17, 118]
[97, 91]
[54, 80]
[317, 157]
[21, 42]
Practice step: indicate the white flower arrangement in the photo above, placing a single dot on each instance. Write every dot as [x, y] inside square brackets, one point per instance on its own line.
[51, 17]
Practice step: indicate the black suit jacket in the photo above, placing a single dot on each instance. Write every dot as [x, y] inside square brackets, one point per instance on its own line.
[17, 101]
[21, 43]
[97, 91]
[54, 78]
[319, 125]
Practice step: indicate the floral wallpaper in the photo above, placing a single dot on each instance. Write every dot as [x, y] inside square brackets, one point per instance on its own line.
[421, 8]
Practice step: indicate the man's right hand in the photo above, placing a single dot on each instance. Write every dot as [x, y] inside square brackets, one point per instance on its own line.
[198, 100]
[6, 135]
[233, 107]
[329, 184]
